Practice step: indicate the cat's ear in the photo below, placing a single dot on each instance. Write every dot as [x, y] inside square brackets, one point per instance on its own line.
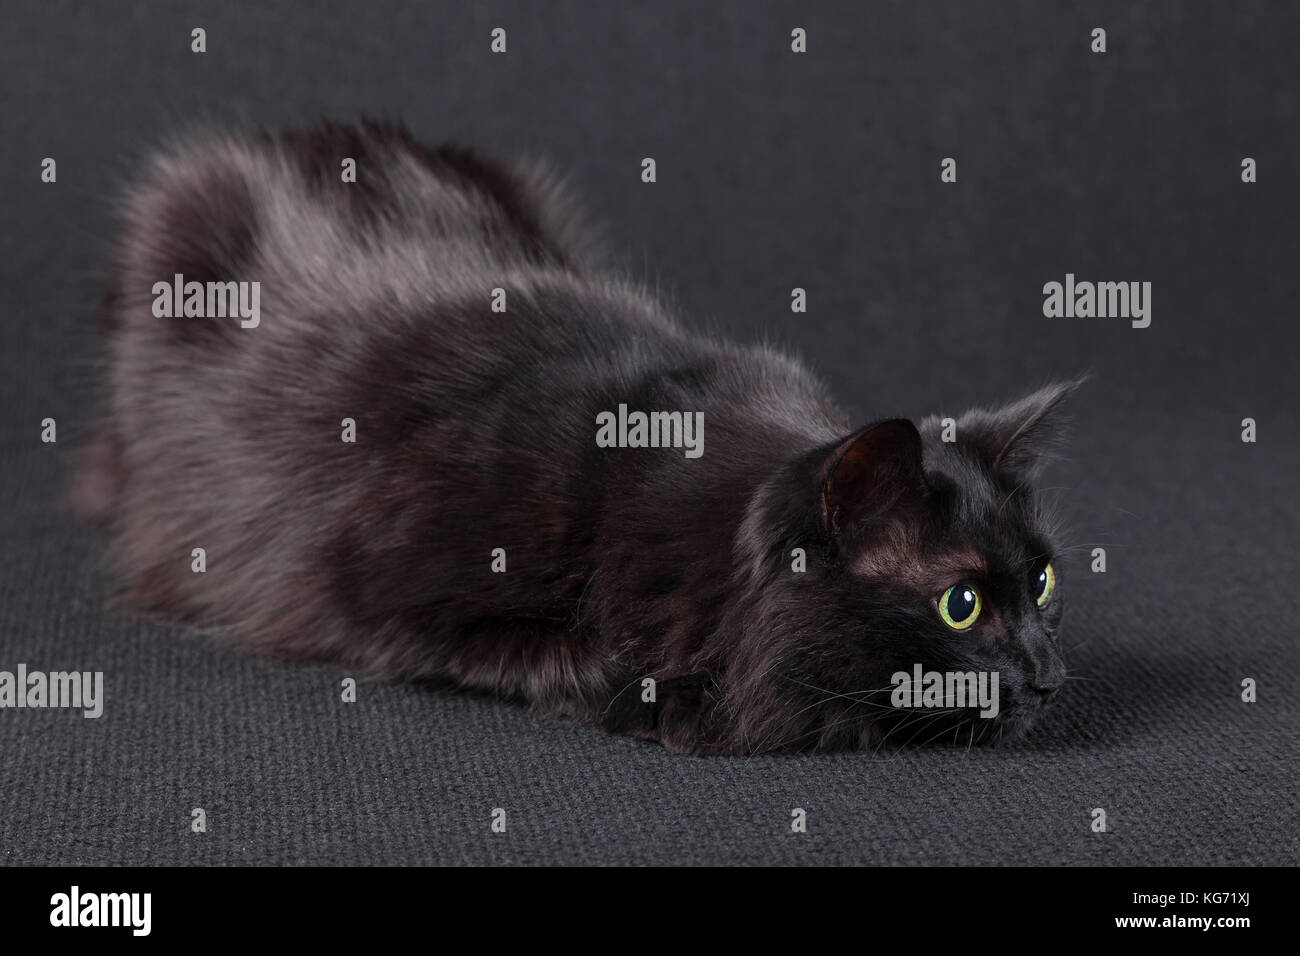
[872, 472]
[1017, 439]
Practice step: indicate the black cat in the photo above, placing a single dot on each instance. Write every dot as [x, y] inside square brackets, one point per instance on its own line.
[386, 471]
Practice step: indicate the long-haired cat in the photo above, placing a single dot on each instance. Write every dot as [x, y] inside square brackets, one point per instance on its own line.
[404, 462]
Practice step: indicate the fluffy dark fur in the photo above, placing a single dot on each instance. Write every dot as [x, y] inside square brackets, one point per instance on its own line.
[476, 431]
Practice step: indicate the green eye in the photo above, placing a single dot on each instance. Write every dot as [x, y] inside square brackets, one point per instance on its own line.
[960, 606]
[1045, 585]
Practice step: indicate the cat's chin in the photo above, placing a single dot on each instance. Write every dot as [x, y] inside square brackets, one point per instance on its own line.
[963, 730]
[1014, 724]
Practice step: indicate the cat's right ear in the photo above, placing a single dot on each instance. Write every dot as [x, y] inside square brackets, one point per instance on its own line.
[871, 473]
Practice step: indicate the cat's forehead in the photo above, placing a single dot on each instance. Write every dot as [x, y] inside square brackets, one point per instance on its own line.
[925, 554]
[898, 555]
[968, 492]
[972, 522]
[975, 509]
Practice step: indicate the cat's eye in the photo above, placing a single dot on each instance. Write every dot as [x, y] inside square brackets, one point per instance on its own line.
[1044, 585]
[960, 606]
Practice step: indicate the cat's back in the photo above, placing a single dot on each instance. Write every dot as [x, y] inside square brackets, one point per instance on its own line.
[358, 216]
[307, 270]
[267, 287]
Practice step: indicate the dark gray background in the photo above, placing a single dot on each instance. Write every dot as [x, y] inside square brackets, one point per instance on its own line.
[775, 170]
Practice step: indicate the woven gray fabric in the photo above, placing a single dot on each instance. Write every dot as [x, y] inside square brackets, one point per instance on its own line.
[776, 170]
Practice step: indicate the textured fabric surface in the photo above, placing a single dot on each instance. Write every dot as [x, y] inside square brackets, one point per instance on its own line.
[775, 170]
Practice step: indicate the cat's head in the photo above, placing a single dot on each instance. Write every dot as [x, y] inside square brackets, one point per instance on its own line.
[932, 557]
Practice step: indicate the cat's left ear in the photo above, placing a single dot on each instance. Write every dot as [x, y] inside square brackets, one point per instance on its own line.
[1018, 439]
[874, 472]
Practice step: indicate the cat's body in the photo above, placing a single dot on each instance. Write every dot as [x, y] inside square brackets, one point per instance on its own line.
[475, 430]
